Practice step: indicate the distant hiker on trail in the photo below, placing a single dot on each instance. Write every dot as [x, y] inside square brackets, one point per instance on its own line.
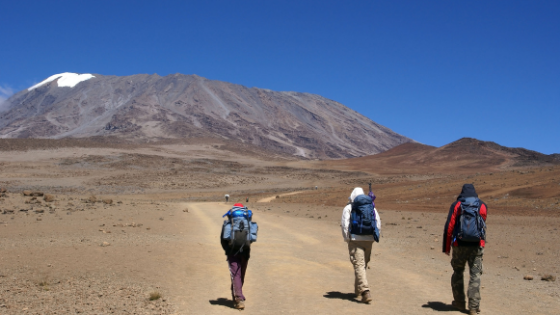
[247, 200]
[360, 225]
[238, 232]
[465, 230]
[227, 197]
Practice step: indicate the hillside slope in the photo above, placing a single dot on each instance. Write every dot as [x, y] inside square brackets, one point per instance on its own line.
[466, 155]
[150, 107]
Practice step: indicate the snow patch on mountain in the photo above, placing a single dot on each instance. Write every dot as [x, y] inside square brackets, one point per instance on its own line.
[66, 79]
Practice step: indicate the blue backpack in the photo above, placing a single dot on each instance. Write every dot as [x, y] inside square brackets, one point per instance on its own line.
[239, 230]
[362, 217]
[470, 226]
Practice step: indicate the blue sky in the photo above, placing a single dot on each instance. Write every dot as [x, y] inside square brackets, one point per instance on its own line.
[434, 71]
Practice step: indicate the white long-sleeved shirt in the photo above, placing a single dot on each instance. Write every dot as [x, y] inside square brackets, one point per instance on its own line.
[345, 220]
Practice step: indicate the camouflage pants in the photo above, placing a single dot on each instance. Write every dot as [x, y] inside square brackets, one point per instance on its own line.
[461, 256]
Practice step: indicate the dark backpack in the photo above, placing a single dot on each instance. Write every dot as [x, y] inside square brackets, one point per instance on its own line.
[362, 217]
[239, 230]
[470, 226]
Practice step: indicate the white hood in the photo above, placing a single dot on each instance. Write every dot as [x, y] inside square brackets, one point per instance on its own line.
[356, 192]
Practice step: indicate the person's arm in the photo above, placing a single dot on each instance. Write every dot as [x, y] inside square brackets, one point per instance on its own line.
[483, 214]
[377, 219]
[483, 211]
[344, 222]
[225, 243]
[449, 226]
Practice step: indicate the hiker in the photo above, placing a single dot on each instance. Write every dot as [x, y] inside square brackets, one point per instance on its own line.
[465, 230]
[227, 197]
[238, 232]
[360, 234]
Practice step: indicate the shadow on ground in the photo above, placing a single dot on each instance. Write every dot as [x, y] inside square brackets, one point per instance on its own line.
[440, 307]
[343, 296]
[222, 302]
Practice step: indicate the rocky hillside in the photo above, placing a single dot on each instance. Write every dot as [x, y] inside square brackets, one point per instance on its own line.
[466, 155]
[150, 107]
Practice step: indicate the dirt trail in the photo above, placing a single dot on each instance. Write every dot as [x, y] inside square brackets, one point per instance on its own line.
[269, 199]
[300, 266]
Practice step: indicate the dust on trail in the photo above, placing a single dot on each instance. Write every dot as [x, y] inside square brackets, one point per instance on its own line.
[301, 266]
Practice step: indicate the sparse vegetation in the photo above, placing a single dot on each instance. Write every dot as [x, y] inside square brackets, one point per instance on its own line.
[155, 296]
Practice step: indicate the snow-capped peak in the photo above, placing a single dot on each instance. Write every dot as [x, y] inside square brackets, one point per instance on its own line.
[66, 79]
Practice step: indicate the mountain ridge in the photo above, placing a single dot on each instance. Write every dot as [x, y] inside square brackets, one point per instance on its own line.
[466, 155]
[147, 106]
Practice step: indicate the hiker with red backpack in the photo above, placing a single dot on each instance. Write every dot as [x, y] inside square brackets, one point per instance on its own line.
[238, 232]
[465, 231]
[360, 225]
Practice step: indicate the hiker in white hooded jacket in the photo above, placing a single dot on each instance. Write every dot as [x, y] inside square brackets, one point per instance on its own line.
[359, 248]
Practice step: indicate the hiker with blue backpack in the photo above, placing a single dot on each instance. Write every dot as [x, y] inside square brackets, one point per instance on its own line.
[360, 225]
[238, 232]
[465, 231]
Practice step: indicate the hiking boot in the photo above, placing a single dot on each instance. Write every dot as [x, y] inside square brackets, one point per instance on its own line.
[474, 311]
[459, 306]
[366, 297]
[240, 304]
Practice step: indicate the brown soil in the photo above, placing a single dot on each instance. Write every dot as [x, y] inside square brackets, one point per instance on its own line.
[79, 254]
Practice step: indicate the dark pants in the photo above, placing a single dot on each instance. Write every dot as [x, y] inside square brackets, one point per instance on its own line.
[237, 267]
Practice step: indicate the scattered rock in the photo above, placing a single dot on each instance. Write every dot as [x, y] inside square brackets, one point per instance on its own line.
[3, 190]
[91, 199]
[548, 278]
[37, 194]
[186, 210]
[108, 201]
[48, 198]
[105, 244]
[27, 192]
[528, 277]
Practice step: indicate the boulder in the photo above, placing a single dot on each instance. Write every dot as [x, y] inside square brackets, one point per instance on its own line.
[27, 192]
[48, 198]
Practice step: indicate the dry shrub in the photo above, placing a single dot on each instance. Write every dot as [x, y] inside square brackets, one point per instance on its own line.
[108, 201]
[155, 296]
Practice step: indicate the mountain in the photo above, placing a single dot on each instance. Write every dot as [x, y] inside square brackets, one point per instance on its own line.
[466, 155]
[150, 107]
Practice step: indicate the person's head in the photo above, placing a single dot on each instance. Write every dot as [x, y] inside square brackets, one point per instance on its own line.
[467, 191]
[355, 193]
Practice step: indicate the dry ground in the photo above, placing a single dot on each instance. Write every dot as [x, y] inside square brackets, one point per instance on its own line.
[77, 255]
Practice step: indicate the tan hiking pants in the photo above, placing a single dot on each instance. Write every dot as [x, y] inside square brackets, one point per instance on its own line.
[360, 253]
